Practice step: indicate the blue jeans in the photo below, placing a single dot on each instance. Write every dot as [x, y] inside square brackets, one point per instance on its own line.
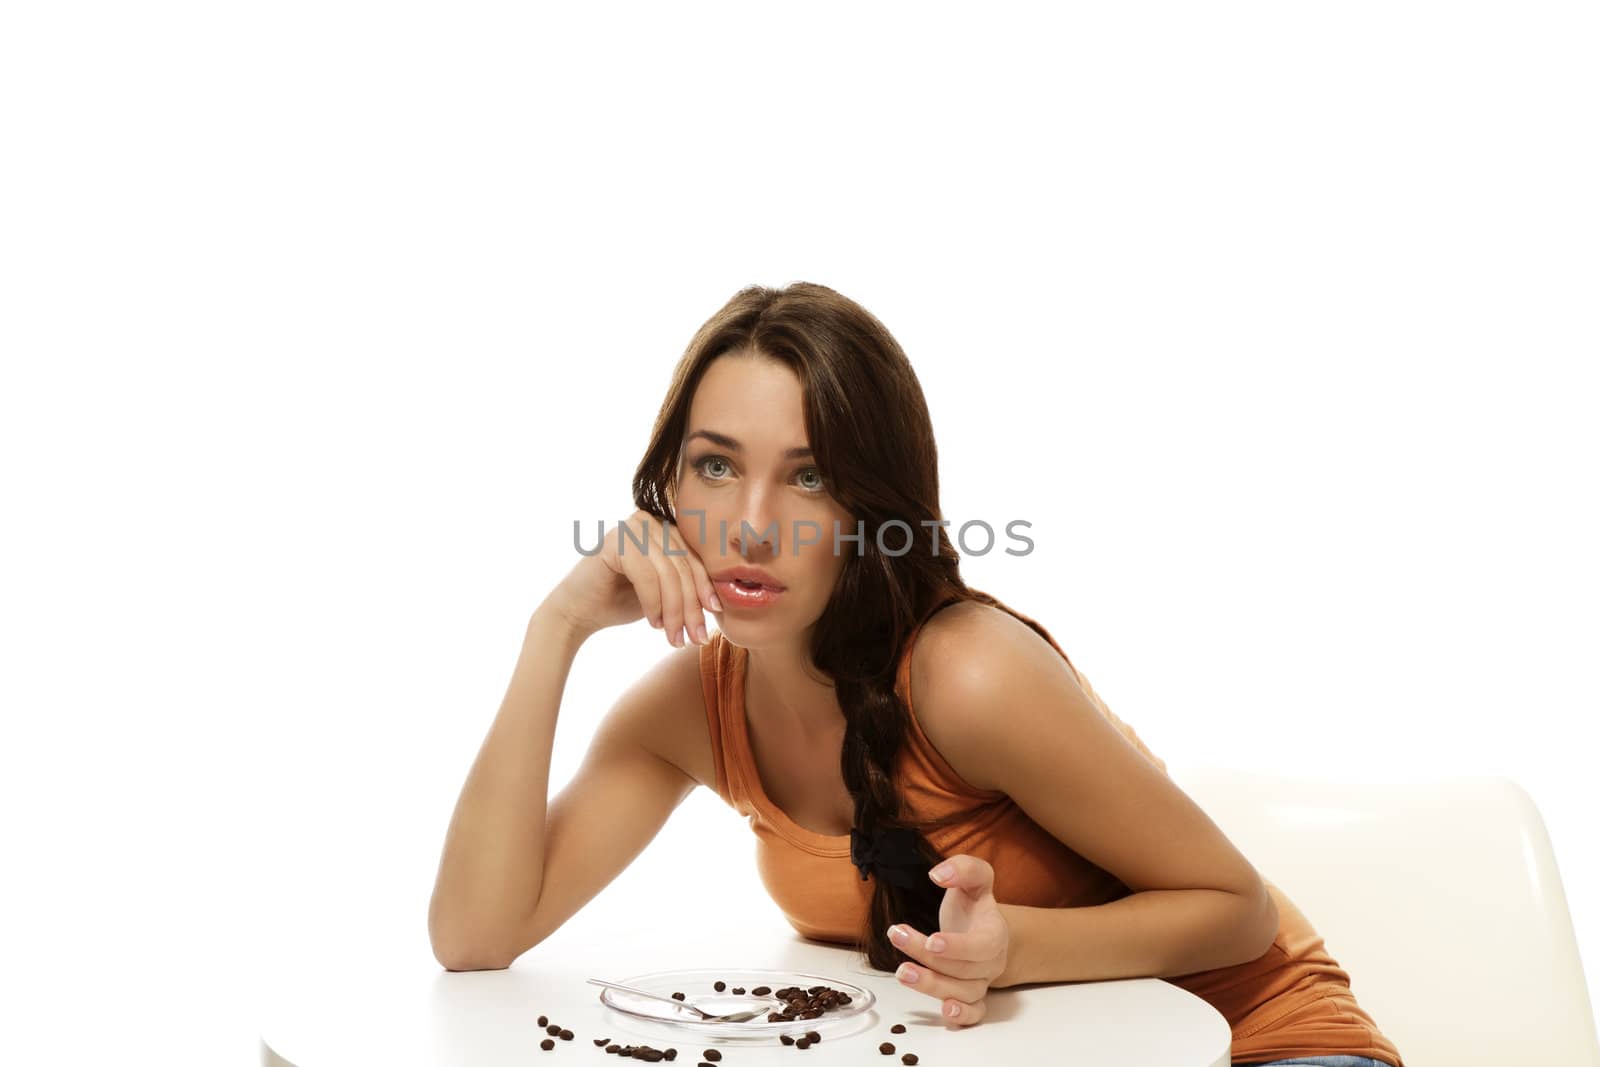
[1330, 1061]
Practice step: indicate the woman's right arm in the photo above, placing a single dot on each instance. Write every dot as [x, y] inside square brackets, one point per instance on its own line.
[492, 870]
[493, 859]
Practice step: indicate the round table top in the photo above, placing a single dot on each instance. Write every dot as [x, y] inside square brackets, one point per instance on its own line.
[366, 994]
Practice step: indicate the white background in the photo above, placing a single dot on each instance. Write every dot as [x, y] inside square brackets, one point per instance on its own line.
[323, 321]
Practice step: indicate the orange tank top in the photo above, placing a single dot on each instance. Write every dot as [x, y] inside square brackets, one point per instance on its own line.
[1293, 1001]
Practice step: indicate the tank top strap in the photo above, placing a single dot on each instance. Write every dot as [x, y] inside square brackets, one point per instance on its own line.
[716, 684]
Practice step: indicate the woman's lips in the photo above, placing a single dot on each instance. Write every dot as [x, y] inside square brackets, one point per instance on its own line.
[734, 595]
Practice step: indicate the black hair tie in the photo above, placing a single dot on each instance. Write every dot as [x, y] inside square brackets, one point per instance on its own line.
[891, 854]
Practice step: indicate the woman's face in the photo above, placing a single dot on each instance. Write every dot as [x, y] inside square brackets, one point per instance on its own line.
[735, 465]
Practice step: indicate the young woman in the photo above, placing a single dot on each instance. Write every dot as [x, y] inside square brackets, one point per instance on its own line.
[1004, 827]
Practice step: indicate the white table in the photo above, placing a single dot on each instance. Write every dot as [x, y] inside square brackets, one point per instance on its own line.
[374, 995]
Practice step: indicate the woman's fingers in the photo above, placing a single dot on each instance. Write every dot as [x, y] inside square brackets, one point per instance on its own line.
[964, 1014]
[703, 584]
[942, 986]
[693, 620]
[703, 592]
[671, 582]
[693, 615]
[952, 959]
[699, 595]
[671, 593]
[643, 568]
[641, 573]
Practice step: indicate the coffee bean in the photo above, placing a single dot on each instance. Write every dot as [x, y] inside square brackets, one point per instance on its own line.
[761, 990]
[813, 1036]
[565, 1035]
[547, 1044]
[671, 1054]
[886, 1048]
[544, 1021]
[898, 1028]
[713, 1055]
[719, 985]
[553, 1029]
[910, 1057]
[786, 1039]
[600, 1041]
[737, 990]
[677, 996]
[613, 1049]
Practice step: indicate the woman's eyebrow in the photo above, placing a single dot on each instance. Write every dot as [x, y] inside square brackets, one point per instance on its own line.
[724, 441]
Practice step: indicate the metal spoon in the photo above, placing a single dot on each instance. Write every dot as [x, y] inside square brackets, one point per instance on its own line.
[736, 1017]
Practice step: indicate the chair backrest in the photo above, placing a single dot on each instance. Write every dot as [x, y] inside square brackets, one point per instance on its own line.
[1440, 898]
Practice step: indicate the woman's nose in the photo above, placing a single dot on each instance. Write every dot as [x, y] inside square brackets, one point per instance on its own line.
[755, 526]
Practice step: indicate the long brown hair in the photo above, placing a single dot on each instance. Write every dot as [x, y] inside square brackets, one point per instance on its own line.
[873, 442]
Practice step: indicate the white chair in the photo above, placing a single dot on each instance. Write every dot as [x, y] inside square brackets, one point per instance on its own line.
[1441, 899]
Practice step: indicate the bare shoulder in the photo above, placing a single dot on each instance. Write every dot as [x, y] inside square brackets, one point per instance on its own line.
[671, 718]
[960, 642]
[966, 658]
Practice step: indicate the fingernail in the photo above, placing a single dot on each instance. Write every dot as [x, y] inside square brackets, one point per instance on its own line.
[940, 873]
[908, 974]
[716, 602]
[897, 935]
[935, 943]
[953, 1010]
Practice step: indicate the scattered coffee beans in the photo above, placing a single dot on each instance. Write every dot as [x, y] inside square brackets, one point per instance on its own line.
[886, 1048]
[910, 1057]
[799, 1003]
[898, 1028]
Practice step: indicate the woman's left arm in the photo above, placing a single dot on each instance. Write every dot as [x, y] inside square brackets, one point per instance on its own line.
[1007, 713]
[1158, 933]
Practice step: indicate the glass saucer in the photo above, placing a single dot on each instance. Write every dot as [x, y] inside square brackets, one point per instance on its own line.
[697, 986]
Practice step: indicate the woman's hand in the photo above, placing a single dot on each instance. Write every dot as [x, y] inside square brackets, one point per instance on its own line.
[968, 952]
[622, 582]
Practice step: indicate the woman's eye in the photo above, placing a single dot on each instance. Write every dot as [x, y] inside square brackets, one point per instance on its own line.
[820, 482]
[702, 464]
